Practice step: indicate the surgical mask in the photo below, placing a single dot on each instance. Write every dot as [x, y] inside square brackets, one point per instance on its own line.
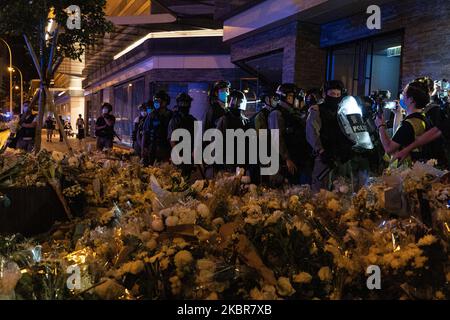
[143, 113]
[25, 109]
[223, 96]
[149, 111]
[105, 111]
[403, 103]
[156, 105]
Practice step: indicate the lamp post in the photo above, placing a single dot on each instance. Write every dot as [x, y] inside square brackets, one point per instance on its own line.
[21, 85]
[10, 76]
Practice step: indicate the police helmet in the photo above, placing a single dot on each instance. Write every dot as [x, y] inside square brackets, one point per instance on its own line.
[284, 90]
[237, 100]
[184, 100]
[162, 95]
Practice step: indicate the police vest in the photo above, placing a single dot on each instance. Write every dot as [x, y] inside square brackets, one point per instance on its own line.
[334, 141]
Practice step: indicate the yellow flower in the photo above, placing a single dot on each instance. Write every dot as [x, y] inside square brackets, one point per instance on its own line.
[183, 258]
[334, 205]
[427, 240]
[273, 218]
[325, 274]
[440, 295]
[284, 287]
[133, 267]
[303, 277]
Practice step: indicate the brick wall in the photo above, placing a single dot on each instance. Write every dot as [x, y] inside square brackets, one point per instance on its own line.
[303, 59]
[280, 38]
[426, 26]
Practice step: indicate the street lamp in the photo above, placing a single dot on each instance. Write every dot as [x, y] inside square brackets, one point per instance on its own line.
[10, 76]
[11, 70]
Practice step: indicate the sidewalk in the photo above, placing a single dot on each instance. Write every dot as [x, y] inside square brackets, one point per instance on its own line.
[88, 142]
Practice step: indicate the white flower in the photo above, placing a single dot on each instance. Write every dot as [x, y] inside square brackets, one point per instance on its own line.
[284, 287]
[203, 211]
[171, 221]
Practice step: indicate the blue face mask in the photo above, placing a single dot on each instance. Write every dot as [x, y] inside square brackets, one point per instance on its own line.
[149, 111]
[403, 103]
[156, 104]
[223, 96]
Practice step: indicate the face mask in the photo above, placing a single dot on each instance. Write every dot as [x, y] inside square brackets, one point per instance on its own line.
[143, 113]
[403, 103]
[223, 96]
[149, 111]
[156, 105]
[333, 100]
[184, 109]
[25, 109]
[105, 111]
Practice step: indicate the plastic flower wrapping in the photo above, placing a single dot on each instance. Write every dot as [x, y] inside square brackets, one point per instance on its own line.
[146, 233]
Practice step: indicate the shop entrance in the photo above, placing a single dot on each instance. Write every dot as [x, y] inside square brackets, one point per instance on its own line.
[368, 65]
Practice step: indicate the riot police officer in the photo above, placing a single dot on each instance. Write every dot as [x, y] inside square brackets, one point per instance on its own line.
[233, 119]
[182, 119]
[293, 148]
[331, 148]
[138, 127]
[218, 101]
[155, 146]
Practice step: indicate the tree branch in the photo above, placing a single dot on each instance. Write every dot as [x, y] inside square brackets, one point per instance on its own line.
[34, 57]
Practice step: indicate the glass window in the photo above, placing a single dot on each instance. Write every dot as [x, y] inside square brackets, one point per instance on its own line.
[367, 65]
[197, 90]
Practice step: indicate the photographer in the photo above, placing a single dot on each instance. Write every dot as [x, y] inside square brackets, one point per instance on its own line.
[104, 128]
[440, 130]
[415, 99]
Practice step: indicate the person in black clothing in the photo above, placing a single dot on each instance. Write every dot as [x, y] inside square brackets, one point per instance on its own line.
[415, 99]
[155, 146]
[218, 102]
[331, 147]
[27, 131]
[182, 119]
[49, 126]
[60, 130]
[138, 126]
[104, 128]
[233, 119]
[293, 147]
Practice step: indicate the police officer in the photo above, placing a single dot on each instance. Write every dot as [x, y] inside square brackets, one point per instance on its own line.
[331, 148]
[182, 119]
[293, 148]
[138, 127]
[155, 146]
[233, 119]
[218, 102]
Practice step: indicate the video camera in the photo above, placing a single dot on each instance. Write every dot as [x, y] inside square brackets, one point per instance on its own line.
[382, 100]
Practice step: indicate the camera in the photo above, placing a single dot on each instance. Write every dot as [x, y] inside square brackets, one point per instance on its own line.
[381, 99]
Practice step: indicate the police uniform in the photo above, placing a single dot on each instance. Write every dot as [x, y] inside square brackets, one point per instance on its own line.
[157, 146]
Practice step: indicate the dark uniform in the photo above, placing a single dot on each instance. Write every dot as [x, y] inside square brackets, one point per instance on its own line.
[156, 146]
[182, 119]
[293, 146]
[324, 134]
[138, 129]
[233, 120]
